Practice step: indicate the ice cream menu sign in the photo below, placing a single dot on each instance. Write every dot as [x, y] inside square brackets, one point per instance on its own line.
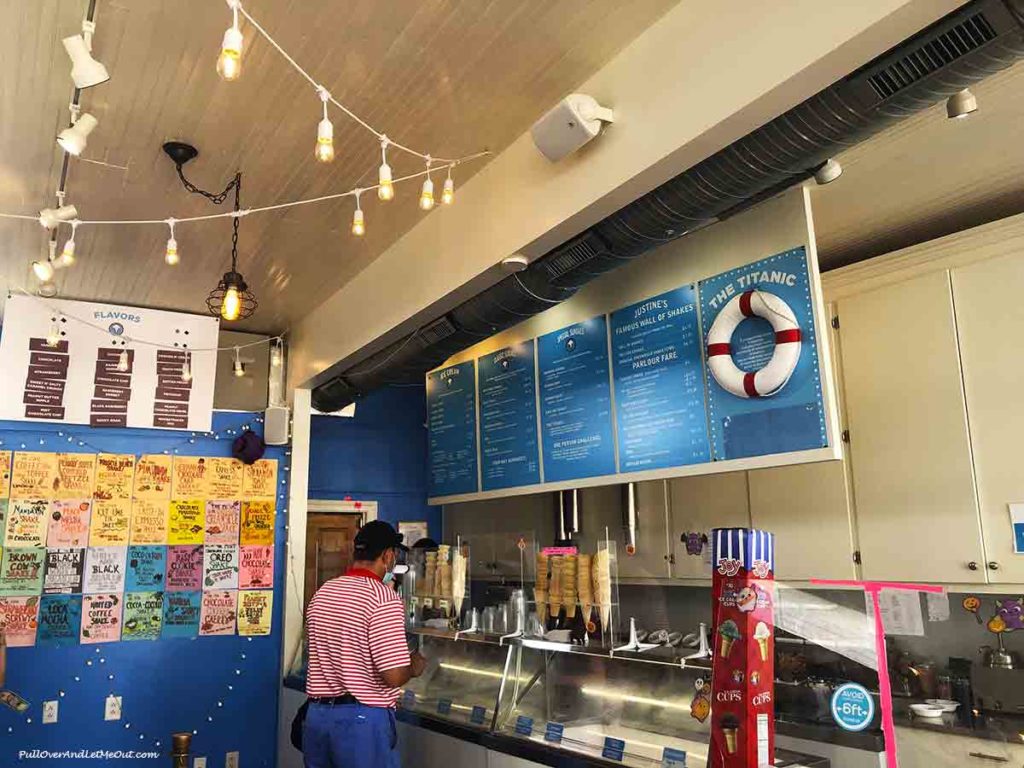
[103, 365]
[508, 418]
[575, 402]
[451, 420]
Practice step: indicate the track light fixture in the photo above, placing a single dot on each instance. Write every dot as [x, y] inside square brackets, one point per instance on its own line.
[52, 217]
[73, 140]
[229, 63]
[961, 104]
[85, 70]
[45, 269]
[828, 172]
[385, 185]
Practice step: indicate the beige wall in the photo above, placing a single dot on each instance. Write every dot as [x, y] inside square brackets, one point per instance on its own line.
[705, 74]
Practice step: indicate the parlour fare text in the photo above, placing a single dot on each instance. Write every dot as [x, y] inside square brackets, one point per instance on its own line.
[749, 280]
[652, 314]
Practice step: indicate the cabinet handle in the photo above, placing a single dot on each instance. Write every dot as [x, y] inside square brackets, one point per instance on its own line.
[973, 566]
[993, 565]
[993, 758]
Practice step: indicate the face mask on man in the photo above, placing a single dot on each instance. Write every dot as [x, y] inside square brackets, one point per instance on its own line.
[395, 569]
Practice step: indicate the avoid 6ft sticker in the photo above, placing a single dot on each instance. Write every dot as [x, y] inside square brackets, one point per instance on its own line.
[853, 709]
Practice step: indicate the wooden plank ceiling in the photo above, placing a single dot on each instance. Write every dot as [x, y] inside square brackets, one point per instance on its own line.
[444, 76]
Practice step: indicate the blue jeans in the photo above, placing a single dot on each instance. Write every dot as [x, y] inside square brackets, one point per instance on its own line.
[350, 736]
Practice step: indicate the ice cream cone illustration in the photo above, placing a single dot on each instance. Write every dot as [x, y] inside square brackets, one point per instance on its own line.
[730, 729]
[730, 633]
[762, 634]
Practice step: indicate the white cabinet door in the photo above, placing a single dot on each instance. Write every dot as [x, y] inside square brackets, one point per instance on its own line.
[698, 504]
[806, 507]
[914, 494]
[990, 317]
[603, 508]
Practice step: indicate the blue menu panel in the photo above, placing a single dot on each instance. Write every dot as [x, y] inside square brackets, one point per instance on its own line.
[509, 448]
[659, 384]
[744, 420]
[451, 419]
[575, 402]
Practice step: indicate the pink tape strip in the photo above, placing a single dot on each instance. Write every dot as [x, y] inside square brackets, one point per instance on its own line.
[873, 588]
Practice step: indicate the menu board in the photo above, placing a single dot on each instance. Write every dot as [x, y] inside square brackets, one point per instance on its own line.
[256, 567]
[147, 567]
[254, 609]
[114, 475]
[143, 615]
[191, 478]
[19, 618]
[220, 566]
[21, 571]
[218, 611]
[60, 620]
[259, 479]
[748, 422]
[181, 614]
[509, 447]
[451, 423]
[659, 387]
[80, 379]
[65, 569]
[33, 475]
[69, 523]
[184, 568]
[110, 521]
[153, 478]
[27, 523]
[575, 402]
[222, 521]
[104, 569]
[149, 522]
[75, 475]
[101, 619]
[186, 521]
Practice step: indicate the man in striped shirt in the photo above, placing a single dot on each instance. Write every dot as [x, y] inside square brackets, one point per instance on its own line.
[358, 659]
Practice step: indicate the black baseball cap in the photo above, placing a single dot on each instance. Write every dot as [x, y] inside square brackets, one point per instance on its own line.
[375, 537]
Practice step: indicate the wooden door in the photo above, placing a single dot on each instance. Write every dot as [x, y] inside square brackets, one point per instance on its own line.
[913, 483]
[329, 540]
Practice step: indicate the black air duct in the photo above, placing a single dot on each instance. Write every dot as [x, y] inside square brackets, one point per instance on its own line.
[966, 46]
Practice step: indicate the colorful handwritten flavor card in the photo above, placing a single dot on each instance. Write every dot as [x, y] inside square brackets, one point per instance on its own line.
[184, 568]
[65, 569]
[60, 620]
[259, 479]
[104, 569]
[225, 478]
[257, 522]
[76, 473]
[254, 612]
[186, 522]
[190, 478]
[69, 523]
[181, 614]
[19, 619]
[220, 566]
[256, 567]
[5, 474]
[34, 475]
[3, 520]
[149, 521]
[217, 616]
[153, 477]
[143, 615]
[109, 526]
[27, 523]
[115, 473]
[101, 619]
[147, 567]
[21, 571]
[222, 520]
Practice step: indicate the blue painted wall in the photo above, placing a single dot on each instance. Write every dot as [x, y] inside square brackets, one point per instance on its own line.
[225, 688]
[381, 455]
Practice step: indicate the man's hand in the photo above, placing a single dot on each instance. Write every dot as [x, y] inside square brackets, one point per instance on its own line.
[417, 663]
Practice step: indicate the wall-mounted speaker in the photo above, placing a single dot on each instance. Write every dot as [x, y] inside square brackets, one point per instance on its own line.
[275, 425]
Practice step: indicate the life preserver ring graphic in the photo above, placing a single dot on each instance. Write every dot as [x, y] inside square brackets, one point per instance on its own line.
[773, 377]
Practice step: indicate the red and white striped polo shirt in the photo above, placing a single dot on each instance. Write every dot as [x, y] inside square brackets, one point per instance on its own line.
[355, 627]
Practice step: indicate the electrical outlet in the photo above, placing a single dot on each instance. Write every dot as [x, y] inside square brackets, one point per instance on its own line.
[49, 712]
[199, 762]
[231, 760]
[112, 710]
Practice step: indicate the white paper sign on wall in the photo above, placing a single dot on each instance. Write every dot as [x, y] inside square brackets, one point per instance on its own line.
[78, 380]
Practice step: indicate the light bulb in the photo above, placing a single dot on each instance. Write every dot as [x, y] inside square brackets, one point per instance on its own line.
[275, 355]
[231, 306]
[229, 64]
[427, 194]
[386, 189]
[53, 336]
[171, 254]
[67, 256]
[358, 223]
[186, 370]
[43, 270]
[73, 140]
[239, 367]
[122, 361]
[324, 141]
[448, 192]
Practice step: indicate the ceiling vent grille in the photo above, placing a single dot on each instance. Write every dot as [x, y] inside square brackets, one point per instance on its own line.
[439, 330]
[573, 256]
[944, 49]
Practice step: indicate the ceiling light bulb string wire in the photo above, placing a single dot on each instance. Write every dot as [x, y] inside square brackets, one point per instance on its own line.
[320, 89]
[243, 211]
